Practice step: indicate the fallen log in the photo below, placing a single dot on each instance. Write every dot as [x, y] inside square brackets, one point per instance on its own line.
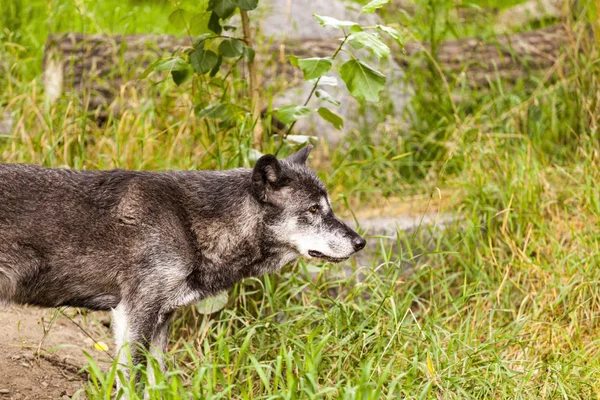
[528, 12]
[98, 65]
[508, 58]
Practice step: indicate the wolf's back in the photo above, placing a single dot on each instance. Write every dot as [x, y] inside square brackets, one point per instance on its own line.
[55, 227]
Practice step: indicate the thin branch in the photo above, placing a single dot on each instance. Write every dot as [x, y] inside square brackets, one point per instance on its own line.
[314, 88]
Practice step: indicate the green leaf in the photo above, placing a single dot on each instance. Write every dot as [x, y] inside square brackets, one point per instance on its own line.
[246, 5]
[194, 23]
[216, 68]
[301, 138]
[212, 304]
[253, 154]
[217, 111]
[178, 18]
[231, 48]
[356, 28]
[172, 64]
[198, 23]
[198, 42]
[223, 8]
[249, 54]
[289, 114]
[194, 6]
[372, 42]
[328, 81]
[362, 81]
[393, 33]
[214, 24]
[372, 6]
[182, 76]
[331, 117]
[336, 23]
[203, 60]
[150, 68]
[314, 67]
[320, 93]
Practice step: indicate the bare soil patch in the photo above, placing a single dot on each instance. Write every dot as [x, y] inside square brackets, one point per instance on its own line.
[39, 365]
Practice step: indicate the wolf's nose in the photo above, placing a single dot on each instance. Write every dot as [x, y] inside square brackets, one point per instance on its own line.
[358, 243]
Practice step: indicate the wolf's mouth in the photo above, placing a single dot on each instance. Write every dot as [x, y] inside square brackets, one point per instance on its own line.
[318, 254]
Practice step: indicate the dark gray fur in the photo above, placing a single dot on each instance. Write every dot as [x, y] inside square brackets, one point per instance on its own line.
[152, 242]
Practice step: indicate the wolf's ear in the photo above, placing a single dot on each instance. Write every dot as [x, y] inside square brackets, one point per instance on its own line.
[300, 156]
[266, 176]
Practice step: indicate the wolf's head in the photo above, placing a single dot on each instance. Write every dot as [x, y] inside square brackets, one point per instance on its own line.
[297, 209]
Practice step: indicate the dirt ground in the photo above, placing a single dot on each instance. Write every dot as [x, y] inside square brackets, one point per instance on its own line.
[36, 367]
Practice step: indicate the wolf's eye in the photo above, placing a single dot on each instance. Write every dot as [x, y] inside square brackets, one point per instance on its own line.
[314, 209]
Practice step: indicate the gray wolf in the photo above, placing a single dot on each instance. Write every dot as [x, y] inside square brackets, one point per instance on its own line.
[143, 244]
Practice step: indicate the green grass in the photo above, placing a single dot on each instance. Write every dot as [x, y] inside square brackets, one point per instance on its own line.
[505, 303]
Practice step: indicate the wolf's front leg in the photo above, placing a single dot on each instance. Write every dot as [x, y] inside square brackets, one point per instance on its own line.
[158, 345]
[121, 327]
[138, 328]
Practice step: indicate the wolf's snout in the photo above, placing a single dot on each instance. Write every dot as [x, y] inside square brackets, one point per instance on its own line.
[358, 243]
